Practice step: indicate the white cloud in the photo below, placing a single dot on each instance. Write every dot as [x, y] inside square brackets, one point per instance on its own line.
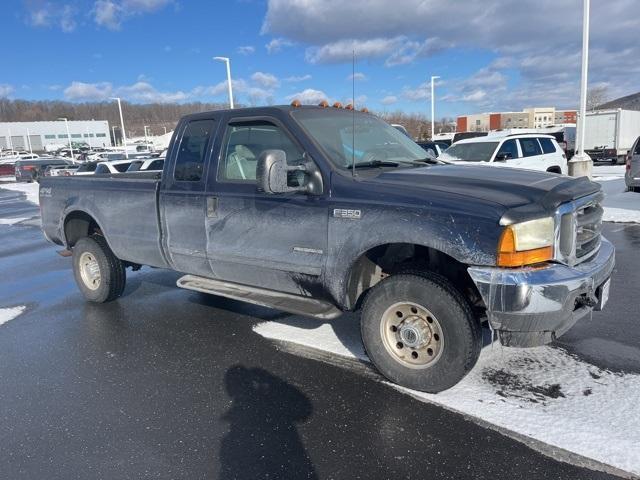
[300, 78]
[246, 50]
[389, 100]
[48, 14]
[111, 13]
[343, 50]
[277, 44]
[78, 91]
[309, 96]
[265, 80]
[475, 96]
[421, 92]
[5, 90]
[358, 76]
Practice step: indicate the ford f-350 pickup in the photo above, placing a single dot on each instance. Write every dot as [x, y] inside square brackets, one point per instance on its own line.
[321, 210]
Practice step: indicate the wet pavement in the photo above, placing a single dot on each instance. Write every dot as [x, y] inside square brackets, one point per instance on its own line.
[166, 383]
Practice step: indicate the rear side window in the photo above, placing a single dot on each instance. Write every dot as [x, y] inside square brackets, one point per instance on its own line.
[509, 148]
[156, 165]
[122, 167]
[193, 149]
[547, 145]
[530, 147]
[101, 169]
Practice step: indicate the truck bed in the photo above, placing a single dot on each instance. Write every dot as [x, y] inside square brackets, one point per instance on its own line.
[125, 207]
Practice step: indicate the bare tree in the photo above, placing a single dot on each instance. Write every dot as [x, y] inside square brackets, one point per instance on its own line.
[596, 96]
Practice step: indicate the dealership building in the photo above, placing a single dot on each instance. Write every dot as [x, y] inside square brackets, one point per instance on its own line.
[538, 117]
[36, 135]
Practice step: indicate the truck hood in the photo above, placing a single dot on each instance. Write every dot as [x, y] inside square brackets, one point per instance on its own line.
[520, 192]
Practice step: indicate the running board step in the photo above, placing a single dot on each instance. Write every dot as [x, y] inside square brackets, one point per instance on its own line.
[261, 296]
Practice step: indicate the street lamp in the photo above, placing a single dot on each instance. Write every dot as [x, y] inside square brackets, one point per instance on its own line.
[113, 133]
[226, 60]
[124, 135]
[66, 123]
[146, 142]
[581, 164]
[433, 106]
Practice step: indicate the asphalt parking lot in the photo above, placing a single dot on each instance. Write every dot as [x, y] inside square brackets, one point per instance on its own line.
[166, 383]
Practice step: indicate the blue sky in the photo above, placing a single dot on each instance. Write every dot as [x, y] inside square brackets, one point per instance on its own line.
[491, 54]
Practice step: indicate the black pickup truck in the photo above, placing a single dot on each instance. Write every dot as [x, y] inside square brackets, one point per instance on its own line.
[322, 210]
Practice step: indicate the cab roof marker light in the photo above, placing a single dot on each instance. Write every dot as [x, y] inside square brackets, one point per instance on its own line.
[296, 103]
[337, 105]
[323, 104]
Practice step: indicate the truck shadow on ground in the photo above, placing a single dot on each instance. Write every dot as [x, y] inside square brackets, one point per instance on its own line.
[263, 441]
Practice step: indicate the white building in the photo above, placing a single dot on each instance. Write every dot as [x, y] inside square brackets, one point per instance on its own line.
[35, 135]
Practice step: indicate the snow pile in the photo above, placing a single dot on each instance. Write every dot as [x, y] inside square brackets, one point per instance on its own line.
[541, 393]
[619, 205]
[30, 189]
[8, 314]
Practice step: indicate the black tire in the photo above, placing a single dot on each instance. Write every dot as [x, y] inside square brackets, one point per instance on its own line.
[112, 273]
[461, 331]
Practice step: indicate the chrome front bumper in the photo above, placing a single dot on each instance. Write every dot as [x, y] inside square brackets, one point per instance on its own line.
[529, 307]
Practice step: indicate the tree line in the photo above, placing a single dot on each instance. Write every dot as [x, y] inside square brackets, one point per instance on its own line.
[159, 116]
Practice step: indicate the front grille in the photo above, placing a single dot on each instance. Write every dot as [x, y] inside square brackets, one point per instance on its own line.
[579, 230]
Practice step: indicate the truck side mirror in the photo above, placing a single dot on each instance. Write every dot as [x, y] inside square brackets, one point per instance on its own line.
[271, 172]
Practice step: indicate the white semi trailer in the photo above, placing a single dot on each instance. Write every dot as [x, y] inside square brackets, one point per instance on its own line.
[609, 134]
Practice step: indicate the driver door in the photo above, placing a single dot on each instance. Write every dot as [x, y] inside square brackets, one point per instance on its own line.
[277, 241]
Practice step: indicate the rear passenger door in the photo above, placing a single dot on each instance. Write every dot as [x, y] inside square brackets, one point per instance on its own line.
[182, 202]
[531, 154]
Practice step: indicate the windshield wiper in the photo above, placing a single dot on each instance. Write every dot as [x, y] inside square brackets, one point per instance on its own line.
[377, 163]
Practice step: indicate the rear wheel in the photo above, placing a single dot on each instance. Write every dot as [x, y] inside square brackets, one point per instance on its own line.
[100, 275]
[420, 332]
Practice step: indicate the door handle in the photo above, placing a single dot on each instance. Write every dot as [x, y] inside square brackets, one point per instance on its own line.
[212, 206]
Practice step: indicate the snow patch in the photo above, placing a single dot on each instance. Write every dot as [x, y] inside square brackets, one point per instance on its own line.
[8, 314]
[542, 393]
[31, 190]
[619, 205]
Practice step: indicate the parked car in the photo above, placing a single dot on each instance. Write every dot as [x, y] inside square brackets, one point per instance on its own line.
[436, 148]
[632, 172]
[267, 206]
[32, 170]
[401, 128]
[106, 156]
[57, 170]
[117, 166]
[528, 151]
[150, 164]
[86, 168]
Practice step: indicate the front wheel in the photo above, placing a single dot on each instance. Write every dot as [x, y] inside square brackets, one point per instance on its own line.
[420, 332]
[100, 275]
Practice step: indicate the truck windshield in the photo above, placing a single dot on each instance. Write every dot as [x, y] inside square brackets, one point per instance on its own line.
[470, 152]
[359, 138]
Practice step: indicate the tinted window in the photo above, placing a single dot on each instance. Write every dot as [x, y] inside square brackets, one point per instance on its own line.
[122, 167]
[102, 169]
[530, 147]
[246, 141]
[156, 165]
[637, 150]
[192, 151]
[135, 166]
[547, 145]
[509, 148]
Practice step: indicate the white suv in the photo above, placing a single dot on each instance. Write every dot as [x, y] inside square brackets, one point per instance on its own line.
[529, 151]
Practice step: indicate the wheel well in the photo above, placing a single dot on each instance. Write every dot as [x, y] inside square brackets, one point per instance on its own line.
[554, 170]
[78, 225]
[379, 262]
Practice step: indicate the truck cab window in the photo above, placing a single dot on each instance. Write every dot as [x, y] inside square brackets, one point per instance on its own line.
[245, 142]
[193, 149]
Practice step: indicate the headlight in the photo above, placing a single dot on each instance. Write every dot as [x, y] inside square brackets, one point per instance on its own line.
[526, 243]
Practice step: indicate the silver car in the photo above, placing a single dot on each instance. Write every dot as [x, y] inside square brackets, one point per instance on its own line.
[632, 173]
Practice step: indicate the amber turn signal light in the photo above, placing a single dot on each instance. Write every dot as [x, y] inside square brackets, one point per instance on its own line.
[508, 256]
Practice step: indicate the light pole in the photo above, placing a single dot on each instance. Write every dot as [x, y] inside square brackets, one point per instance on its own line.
[165, 130]
[124, 135]
[146, 142]
[66, 124]
[581, 164]
[226, 60]
[433, 106]
[29, 142]
[113, 132]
